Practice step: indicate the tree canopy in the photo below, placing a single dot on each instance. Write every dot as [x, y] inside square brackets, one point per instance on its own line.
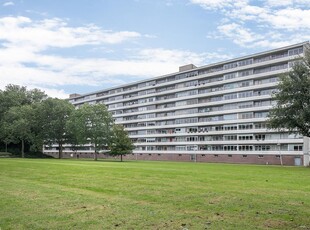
[52, 115]
[292, 111]
[91, 124]
[16, 115]
[29, 117]
[15, 95]
[120, 144]
[17, 125]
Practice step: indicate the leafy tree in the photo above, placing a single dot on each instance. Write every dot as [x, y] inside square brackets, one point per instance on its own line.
[120, 144]
[75, 130]
[16, 124]
[15, 95]
[92, 124]
[292, 111]
[5, 134]
[52, 115]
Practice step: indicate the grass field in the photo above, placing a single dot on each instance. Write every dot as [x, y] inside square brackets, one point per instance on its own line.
[77, 194]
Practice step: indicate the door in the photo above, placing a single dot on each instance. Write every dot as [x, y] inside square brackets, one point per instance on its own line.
[297, 161]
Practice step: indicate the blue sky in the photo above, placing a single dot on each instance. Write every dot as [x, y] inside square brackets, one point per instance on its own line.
[80, 46]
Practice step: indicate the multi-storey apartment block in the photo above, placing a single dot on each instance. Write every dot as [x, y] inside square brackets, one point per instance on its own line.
[213, 113]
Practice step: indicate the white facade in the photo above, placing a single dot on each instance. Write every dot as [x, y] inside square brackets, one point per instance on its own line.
[214, 110]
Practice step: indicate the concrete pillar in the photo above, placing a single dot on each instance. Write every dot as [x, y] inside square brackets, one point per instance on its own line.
[306, 149]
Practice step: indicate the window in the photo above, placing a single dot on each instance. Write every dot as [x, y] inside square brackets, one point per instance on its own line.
[229, 155]
[245, 148]
[261, 114]
[245, 62]
[260, 156]
[260, 137]
[230, 137]
[245, 94]
[193, 138]
[244, 105]
[230, 127]
[187, 93]
[230, 76]
[262, 147]
[231, 65]
[260, 126]
[245, 83]
[295, 51]
[246, 137]
[244, 156]
[245, 115]
[297, 147]
[230, 96]
[230, 117]
[245, 73]
[230, 147]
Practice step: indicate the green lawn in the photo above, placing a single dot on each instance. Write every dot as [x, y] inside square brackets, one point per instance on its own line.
[77, 194]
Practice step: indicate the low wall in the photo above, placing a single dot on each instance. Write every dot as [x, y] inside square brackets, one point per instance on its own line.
[212, 158]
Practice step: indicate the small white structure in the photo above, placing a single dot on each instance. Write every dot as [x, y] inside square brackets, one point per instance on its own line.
[306, 148]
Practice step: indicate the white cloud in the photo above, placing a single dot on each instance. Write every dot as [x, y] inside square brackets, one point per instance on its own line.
[269, 24]
[23, 59]
[8, 4]
[289, 18]
[217, 4]
[245, 37]
[285, 3]
[40, 35]
[240, 35]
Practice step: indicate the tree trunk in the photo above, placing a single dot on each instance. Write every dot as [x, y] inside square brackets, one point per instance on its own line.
[121, 157]
[60, 150]
[23, 149]
[6, 147]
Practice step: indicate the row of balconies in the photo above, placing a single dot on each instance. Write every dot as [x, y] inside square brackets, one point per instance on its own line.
[119, 92]
[186, 120]
[197, 113]
[226, 138]
[128, 103]
[218, 123]
[257, 91]
[224, 147]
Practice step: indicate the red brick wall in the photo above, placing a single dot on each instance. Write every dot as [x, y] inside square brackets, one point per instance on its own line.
[212, 158]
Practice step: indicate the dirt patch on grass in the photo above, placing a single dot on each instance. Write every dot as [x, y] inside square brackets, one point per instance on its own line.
[277, 224]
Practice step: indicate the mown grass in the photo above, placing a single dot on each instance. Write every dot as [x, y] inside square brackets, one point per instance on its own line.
[77, 194]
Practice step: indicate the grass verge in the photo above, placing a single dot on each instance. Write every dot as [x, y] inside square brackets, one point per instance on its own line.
[77, 194]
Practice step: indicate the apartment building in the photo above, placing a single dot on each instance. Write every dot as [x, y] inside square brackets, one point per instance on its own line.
[213, 113]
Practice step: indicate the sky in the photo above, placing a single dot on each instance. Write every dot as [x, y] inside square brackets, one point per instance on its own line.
[80, 46]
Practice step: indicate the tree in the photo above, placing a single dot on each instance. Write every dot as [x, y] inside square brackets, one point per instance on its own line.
[92, 124]
[75, 128]
[52, 116]
[292, 111]
[15, 95]
[16, 124]
[5, 134]
[120, 144]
